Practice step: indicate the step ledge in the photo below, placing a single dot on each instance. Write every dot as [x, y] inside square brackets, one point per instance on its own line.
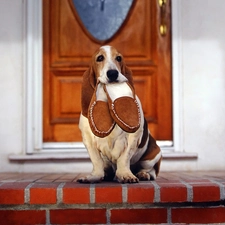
[84, 156]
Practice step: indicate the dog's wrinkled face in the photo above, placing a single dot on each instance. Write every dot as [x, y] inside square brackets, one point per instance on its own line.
[107, 64]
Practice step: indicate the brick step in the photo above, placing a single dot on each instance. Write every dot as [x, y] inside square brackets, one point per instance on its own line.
[173, 198]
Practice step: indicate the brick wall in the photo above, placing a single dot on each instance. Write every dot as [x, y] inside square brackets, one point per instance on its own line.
[172, 201]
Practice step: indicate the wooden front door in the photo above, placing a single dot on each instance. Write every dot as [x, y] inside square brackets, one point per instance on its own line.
[68, 47]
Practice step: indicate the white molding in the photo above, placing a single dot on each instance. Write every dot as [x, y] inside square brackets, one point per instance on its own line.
[33, 74]
[61, 156]
[177, 77]
[83, 155]
[33, 83]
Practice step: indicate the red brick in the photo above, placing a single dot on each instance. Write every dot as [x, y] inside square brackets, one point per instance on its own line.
[133, 216]
[140, 193]
[198, 215]
[22, 217]
[176, 192]
[43, 193]
[108, 193]
[204, 192]
[78, 216]
[74, 193]
[12, 193]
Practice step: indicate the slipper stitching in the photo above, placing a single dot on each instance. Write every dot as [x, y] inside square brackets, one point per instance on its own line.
[126, 125]
[93, 123]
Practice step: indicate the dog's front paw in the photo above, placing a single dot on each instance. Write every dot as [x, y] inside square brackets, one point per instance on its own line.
[90, 179]
[126, 177]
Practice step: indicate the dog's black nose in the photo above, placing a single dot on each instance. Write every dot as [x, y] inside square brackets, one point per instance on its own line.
[112, 75]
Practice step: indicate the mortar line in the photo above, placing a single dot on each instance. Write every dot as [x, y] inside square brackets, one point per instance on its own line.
[47, 214]
[92, 193]
[108, 216]
[124, 193]
[27, 193]
[157, 196]
[222, 188]
[189, 191]
[169, 219]
[60, 192]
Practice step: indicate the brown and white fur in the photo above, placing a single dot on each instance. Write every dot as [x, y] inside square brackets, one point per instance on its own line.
[129, 157]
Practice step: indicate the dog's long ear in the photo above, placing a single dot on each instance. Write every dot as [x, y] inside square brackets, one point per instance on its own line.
[127, 73]
[88, 87]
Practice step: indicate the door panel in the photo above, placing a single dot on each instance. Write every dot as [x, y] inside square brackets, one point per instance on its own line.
[68, 48]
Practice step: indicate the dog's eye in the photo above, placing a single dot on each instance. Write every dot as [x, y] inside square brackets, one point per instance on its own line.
[100, 58]
[118, 58]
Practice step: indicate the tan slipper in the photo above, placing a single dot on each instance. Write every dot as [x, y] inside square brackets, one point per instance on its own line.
[123, 106]
[99, 116]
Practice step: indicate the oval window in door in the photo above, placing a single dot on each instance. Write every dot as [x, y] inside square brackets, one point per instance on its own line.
[102, 18]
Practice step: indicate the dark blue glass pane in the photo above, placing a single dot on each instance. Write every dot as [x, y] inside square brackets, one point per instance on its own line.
[102, 18]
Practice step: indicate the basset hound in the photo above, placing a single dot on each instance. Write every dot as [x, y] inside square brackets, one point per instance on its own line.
[112, 123]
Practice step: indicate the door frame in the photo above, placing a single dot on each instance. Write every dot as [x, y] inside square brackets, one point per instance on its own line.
[33, 93]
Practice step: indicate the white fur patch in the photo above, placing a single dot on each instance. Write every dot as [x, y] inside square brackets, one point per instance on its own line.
[100, 93]
[148, 164]
[116, 90]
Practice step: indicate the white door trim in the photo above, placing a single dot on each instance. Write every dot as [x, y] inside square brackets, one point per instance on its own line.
[33, 82]
[177, 77]
[33, 68]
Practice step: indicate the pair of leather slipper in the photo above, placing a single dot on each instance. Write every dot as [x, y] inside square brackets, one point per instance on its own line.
[113, 104]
